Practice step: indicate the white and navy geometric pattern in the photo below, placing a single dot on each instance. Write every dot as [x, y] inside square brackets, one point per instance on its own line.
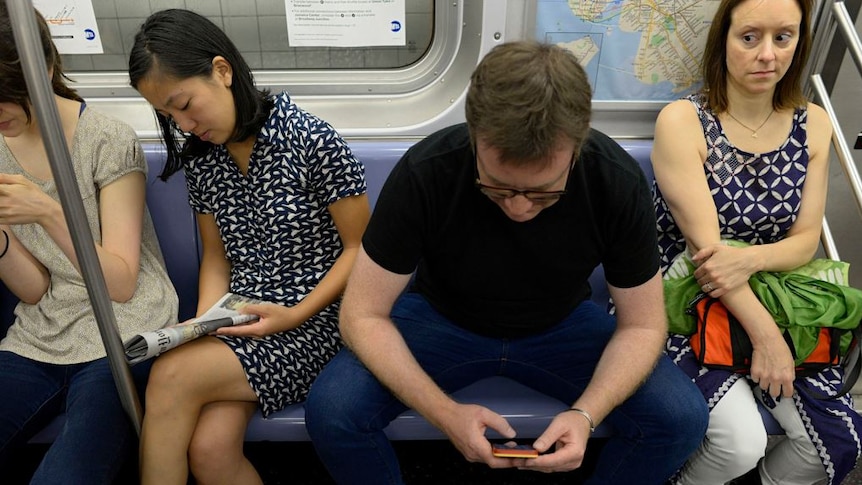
[758, 198]
[280, 238]
[757, 195]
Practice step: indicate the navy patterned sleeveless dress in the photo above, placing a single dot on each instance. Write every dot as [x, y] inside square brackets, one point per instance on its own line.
[758, 197]
[280, 239]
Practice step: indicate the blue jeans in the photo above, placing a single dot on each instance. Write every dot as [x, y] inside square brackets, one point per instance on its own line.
[655, 430]
[97, 436]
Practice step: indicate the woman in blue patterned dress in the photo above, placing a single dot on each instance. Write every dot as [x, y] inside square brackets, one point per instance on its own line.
[281, 207]
[746, 159]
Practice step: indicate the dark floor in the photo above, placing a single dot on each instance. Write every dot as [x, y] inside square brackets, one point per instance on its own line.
[427, 463]
[423, 462]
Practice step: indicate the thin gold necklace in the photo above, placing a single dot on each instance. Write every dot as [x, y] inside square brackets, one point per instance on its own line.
[753, 132]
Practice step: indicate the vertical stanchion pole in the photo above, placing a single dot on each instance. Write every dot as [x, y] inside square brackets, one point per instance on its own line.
[35, 70]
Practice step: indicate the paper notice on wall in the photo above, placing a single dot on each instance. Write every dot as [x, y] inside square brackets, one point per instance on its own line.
[345, 23]
[72, 24]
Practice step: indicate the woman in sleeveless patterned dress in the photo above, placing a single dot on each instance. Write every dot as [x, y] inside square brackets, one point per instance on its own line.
[747, 159]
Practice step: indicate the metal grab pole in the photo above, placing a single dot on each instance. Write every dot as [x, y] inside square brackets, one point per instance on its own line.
[41, 94]
[848, 33]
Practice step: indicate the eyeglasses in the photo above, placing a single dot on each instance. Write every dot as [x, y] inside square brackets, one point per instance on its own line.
[538, 196]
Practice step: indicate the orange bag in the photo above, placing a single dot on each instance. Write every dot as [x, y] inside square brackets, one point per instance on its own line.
[720, 342]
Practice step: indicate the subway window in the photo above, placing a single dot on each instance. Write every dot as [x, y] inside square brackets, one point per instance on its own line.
[408, 85]
[260, 29]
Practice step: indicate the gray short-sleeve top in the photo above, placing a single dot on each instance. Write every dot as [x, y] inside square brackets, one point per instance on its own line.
[61, 328]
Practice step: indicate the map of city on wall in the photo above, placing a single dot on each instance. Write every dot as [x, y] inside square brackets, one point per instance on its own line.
[632, 50]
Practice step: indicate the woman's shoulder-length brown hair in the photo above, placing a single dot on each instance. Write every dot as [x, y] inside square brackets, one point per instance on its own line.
[788, 92]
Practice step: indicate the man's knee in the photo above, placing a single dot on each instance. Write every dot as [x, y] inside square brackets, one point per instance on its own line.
[675, 402]
[694, 419]
[325, 406]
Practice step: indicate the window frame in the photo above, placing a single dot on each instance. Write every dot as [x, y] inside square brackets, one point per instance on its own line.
[408, 102]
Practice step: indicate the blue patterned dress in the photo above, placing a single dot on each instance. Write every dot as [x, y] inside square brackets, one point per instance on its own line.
[280, 239]
[758, 198]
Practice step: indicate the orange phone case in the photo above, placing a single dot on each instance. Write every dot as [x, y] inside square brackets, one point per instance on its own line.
[517, 451]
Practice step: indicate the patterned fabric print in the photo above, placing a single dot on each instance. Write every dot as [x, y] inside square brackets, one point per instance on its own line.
[277, 231]
[758, 198]
[833, 425]
[281, 367]
[280, 238]
[757, 195]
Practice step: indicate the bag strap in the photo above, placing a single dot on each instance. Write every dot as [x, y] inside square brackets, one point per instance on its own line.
[852, 368]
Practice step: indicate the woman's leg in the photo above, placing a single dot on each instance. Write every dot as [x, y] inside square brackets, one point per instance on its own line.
[216, 451]
[182, 382]
[97, 436]
[735, 440]
[31, 397]
[794, 460]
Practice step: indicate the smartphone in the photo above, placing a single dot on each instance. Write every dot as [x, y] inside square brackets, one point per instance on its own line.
[502, 450]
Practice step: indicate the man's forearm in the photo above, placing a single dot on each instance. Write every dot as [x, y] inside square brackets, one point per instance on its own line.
[379, 345]
[627, 361]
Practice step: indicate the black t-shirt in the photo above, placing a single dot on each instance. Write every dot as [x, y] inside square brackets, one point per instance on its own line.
[497, 277]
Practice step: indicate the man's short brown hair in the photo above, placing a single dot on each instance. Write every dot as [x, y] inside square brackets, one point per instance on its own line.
[525, 96]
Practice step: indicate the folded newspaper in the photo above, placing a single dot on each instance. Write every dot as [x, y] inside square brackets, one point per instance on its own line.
[224, 313]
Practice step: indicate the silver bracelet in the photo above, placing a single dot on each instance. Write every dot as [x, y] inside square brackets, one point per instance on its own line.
[586, 415]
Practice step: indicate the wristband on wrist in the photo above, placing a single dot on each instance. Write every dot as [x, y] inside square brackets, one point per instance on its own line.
[585, 415]
[6, 247]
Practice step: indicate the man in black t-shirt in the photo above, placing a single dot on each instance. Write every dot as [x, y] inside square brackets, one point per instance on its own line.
[502, 220]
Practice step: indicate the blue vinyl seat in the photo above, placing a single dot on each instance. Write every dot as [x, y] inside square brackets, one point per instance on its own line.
[527, 410]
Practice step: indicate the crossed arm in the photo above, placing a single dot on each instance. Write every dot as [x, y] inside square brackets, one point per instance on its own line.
[121, 209]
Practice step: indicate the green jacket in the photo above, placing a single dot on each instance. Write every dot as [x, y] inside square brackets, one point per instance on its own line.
[801, 301]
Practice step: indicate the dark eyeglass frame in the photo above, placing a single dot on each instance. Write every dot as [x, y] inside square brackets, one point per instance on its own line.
[539, 196]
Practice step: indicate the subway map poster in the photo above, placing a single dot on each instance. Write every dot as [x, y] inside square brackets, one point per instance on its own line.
[632, 50]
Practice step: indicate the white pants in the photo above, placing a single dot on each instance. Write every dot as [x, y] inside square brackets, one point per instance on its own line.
[736, 441]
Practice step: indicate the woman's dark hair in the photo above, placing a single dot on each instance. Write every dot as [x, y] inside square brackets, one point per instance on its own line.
[182, 44]
[13, 87]
[788, 92]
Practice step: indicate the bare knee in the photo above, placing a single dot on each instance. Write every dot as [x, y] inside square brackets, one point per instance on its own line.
[216, 447]
[165, 385]
[212, 459]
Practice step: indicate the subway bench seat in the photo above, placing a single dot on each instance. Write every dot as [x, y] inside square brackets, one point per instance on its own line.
[527, 410]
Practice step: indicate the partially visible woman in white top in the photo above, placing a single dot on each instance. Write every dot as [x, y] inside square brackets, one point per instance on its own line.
[52, 355]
